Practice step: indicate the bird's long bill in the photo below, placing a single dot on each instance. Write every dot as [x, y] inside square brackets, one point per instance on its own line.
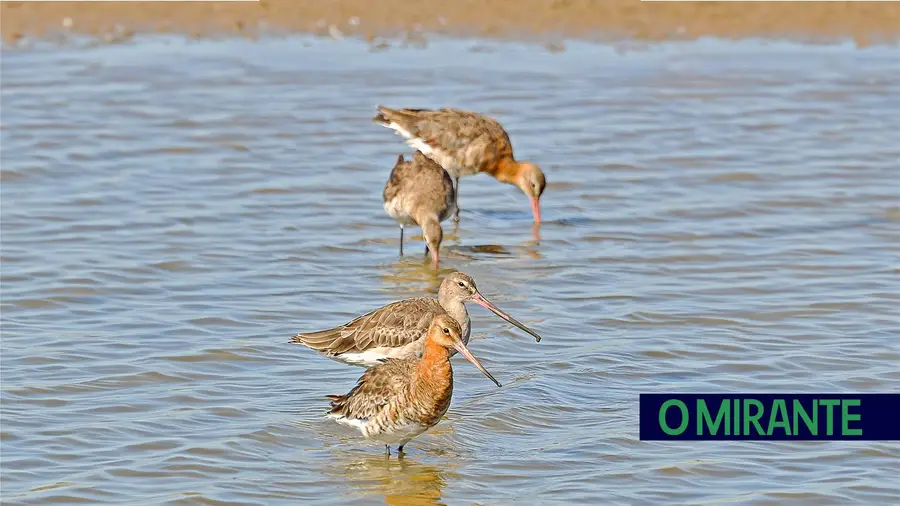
[460, 347]
[481, 301]
[536, 209]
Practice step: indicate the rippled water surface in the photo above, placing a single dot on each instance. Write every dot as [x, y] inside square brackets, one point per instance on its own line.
[719, 217]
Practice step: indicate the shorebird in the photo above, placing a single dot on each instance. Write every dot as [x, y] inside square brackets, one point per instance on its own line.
[399, 399]
[466, 143]
[419, 192]
[398, 329]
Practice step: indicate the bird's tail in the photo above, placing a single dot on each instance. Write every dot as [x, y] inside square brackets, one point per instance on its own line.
[380, 118]
[338, 403]
[403, 117]
[319, 341]
[384, 115]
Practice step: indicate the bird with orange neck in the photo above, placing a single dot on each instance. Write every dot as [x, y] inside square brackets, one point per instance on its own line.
[465, 143]
[401, 398]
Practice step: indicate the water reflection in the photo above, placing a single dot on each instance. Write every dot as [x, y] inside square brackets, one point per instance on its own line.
[417, 278]
[401, 481]
[536, 234]
[414, 267]
[486, 251]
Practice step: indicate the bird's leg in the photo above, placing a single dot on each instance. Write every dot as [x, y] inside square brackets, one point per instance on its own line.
[401, 240]
[426, 249]
[387, 450]
[456, 201]
[400, 450]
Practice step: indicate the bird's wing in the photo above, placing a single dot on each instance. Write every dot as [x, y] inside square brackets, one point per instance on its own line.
[394, 325]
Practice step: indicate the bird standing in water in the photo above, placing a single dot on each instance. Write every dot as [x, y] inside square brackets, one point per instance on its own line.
[419, 192]
[401, 398]
[398, 329]
[465, 143]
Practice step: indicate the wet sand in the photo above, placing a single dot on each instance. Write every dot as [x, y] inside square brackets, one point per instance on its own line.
[867, 23]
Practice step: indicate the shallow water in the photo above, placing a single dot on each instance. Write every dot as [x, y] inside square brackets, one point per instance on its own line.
[720, 217]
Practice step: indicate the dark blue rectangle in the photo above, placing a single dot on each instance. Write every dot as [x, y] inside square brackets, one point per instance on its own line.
[869, 417]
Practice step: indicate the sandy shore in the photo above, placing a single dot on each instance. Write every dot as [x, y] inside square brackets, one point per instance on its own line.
[867, 23]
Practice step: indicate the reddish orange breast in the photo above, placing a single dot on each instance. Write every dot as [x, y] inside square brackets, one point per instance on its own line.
[433, 385]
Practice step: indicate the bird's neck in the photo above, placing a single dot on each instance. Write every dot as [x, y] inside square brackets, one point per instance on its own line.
[455, 308]
[505, 170]
[434, 373]
[426, 219]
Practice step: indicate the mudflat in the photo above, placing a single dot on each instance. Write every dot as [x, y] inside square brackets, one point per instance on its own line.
[867, 23]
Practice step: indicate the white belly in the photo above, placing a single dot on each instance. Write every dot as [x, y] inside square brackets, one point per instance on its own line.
[397, 434]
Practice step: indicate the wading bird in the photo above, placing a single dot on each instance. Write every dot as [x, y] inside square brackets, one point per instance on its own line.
[419, 192]
[398, 329]
[399, 399]
[466, 143]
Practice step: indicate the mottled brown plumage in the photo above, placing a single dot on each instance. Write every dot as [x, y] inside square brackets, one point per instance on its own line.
[420, 192]
[465, 143]
[398, 329]
[401, 398]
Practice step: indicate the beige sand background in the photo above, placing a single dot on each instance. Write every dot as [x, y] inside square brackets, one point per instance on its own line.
[867, 23]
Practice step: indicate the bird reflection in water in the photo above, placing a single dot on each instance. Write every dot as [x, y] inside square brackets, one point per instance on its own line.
[476, 251]
[536, 235]
[402, 482]
[415, 272]
[416, 279]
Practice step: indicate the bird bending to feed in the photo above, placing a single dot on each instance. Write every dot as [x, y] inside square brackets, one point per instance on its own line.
[466, 143]
[398, 329]
[419, 192]
[399, 399]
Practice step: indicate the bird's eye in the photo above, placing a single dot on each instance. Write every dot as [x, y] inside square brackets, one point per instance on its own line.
[461, 284]
[446, 331]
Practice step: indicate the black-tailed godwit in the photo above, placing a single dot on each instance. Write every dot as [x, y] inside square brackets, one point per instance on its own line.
[400, 399]
[419, 192]
[466, 143]
[398, 330]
